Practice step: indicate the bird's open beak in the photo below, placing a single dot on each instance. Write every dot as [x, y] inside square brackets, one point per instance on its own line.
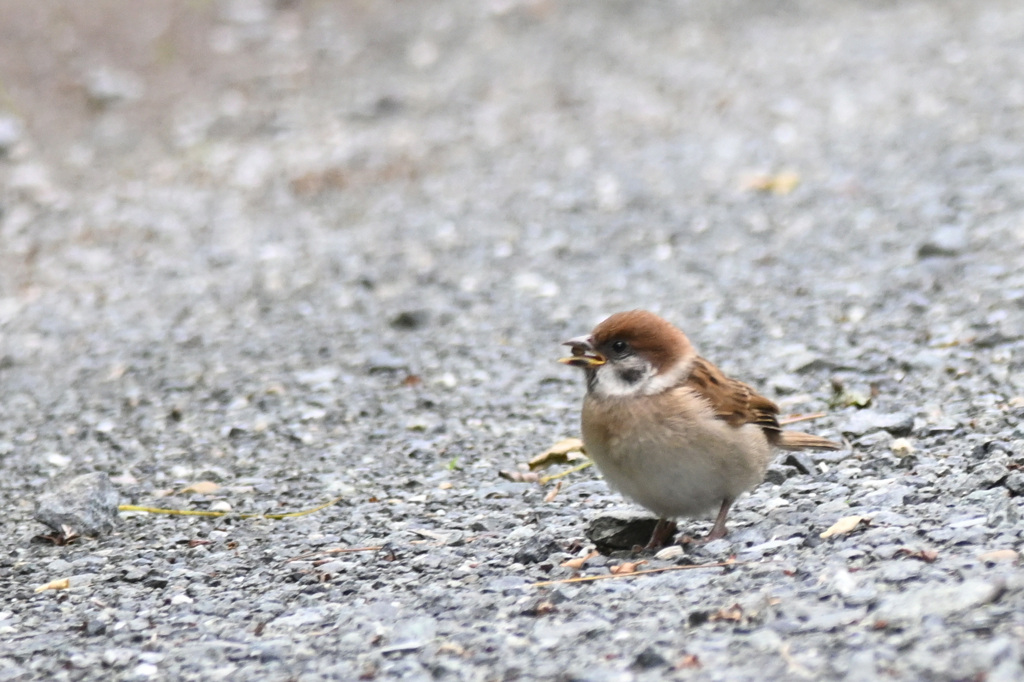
[583, 353]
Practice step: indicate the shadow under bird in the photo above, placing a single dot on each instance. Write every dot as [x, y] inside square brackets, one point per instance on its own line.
[667, 428]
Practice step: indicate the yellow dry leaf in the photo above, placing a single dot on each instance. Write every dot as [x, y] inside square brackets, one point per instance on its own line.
[999, 555]
[201, 488]
[577, 563]
[562, 452]
[58, 584]
[844, 526]
[627, 567]
[776, 183]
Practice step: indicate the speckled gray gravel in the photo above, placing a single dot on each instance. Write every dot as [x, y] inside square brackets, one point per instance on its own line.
[315, 250]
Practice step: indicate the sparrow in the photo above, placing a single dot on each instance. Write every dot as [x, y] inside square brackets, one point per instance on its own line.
[667, 428]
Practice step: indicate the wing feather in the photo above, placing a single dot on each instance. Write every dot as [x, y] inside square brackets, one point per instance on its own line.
[733, 401]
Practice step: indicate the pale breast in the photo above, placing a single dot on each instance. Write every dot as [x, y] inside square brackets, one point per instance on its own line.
[669, 454]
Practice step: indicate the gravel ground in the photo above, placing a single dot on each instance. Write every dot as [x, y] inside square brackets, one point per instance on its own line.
[313, 250]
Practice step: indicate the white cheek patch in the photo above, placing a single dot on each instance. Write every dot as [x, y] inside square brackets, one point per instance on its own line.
[636, 376]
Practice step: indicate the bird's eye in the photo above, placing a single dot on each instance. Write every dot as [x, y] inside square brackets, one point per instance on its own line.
[620, 346]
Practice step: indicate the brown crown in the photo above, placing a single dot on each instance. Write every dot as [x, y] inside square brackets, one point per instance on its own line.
[656, 339]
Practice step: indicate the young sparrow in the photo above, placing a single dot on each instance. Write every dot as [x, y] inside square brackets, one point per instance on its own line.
[667, 428]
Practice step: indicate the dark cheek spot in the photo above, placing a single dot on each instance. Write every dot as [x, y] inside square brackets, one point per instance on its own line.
[631, 376]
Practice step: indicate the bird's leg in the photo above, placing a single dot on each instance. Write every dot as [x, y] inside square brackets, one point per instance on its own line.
[663, 532]
[718, 530]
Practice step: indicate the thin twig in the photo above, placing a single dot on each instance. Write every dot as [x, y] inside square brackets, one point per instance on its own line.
[793, 419]
[198, 512]
[552, 477]
[609, 576]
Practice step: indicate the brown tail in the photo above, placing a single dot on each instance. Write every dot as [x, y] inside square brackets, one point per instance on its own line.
[794, 440]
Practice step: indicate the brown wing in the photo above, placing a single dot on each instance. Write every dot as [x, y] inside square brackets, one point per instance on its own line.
[732, 400]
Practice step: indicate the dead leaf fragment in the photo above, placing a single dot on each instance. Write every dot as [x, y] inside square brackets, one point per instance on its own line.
[926, 555]
[562, 452]
[627, 567]
[850, 398]
[550, 497]
[519, 476]
[577, 563]
[58, 584]
[200, 488]
[65, 536]
[999, 555]
[687, 662]
[732, 613]
[451, 648]
[775, 183]
[845, 525]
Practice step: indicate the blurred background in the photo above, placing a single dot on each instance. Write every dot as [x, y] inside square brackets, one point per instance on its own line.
[308, 249]
[247, 188]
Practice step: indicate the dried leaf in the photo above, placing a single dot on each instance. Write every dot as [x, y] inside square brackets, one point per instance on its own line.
[201, 488]
[65, 536]
[732, 613]
[542, 608]
[451, 648]
[550, 497]
[927, 555]
[577, 563]
[562, 452]
[58, 584]
[999, 555]
[689, 661]
[519, 476]
[845, 525]
[776, 183]
[849, 398]
[627, 567]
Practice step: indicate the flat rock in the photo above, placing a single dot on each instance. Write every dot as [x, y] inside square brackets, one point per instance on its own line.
[86, 504]
[869, 421]
[908, 608]
[620, 530]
